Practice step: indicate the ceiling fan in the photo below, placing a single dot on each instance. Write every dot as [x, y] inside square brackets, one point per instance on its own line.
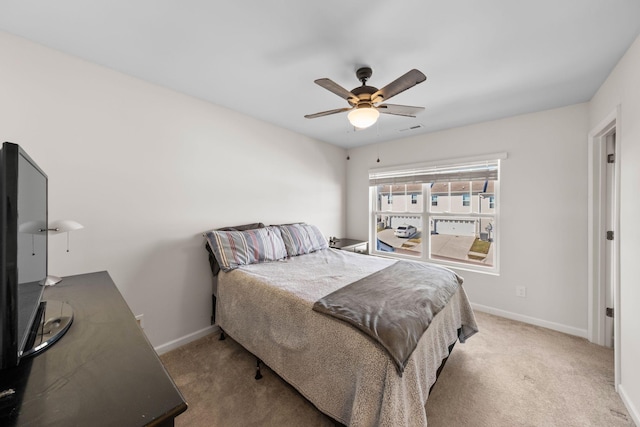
[366, 102]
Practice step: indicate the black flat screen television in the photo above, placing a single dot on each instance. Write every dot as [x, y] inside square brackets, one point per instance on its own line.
[23, 247]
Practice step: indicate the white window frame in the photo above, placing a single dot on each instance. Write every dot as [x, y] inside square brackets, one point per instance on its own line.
[426, 215]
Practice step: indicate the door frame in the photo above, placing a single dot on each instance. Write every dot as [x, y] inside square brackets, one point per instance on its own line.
[597, 228]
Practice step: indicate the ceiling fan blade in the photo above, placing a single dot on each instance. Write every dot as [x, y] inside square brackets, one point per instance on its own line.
[326, 113]
[334, 87]
[399, 110]
[402, 83]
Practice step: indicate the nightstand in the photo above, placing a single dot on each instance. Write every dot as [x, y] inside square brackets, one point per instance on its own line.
[353, 245]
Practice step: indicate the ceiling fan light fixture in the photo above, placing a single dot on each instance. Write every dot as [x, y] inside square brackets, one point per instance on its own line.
[363, 117]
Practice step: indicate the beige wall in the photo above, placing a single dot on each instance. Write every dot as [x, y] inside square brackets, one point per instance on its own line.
[546, 150]
[147, 170]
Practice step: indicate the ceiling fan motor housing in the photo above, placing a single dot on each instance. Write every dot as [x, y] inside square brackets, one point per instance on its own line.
[363, 93]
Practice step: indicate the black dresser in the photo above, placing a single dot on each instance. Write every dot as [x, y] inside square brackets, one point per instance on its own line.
[102, 372]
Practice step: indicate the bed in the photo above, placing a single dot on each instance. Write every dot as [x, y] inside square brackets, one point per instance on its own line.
[269, 305]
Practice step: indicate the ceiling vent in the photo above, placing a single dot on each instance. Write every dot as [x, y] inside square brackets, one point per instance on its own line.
[414, 127]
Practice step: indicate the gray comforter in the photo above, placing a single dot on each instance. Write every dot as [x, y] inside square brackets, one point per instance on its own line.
[267, 308]
[394, 306]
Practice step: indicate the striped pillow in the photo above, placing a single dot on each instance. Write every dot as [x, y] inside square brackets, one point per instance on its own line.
[235, 248]
[300, 239]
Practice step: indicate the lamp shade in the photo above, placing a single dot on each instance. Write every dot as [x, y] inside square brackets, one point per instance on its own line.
[363, 117]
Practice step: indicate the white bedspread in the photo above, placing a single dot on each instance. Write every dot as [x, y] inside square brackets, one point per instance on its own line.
[267, 308]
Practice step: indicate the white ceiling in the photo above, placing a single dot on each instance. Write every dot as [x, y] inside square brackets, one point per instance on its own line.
[484, 59]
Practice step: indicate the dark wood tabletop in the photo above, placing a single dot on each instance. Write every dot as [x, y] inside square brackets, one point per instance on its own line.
[102, 372]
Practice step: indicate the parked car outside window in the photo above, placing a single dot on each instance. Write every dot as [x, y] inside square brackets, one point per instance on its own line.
[405, 231]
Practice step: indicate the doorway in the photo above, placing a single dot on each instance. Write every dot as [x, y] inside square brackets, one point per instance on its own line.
[604, 248]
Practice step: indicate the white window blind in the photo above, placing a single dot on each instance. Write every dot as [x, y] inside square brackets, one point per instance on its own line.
[486, 170]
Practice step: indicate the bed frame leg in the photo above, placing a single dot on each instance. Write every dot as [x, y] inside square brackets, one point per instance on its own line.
[258, 373]
[222, 336]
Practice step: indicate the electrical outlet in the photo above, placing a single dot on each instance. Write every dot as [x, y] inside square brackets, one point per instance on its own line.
[521, 291]
[140, 320]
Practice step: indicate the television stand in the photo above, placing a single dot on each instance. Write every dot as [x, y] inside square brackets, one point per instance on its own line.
[102, 372]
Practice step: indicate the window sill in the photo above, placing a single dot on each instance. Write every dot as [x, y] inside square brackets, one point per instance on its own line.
[450, 265]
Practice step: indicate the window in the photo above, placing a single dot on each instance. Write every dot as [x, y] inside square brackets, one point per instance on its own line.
[444, 213]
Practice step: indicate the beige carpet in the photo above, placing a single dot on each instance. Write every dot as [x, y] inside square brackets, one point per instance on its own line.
[509, 374]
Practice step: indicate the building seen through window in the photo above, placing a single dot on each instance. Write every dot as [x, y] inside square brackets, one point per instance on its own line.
[458, 224]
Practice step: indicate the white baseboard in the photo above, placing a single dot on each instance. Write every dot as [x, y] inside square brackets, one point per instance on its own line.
[633, 411]
[172, 345]
[582, 333]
